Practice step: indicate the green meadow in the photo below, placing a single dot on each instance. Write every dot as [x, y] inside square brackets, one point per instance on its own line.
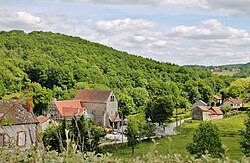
[229, 129]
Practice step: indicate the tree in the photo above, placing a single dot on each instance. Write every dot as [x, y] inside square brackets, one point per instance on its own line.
[126, 105]
[134, 130]
[161, 108]
[206, 141]
[245, 142]
[226, 109]
[85, 134]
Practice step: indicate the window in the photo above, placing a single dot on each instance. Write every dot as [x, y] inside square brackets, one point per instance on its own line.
[112, 98]
[2, 140]
[21, 138]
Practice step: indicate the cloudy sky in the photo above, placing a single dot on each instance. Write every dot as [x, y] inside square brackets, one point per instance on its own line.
[204, 32]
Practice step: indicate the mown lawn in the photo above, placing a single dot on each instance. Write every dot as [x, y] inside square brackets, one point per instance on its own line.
[229, 133]
[225, 73]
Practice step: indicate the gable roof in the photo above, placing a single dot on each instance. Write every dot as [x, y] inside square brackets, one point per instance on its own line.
[99, 96]
[217, 97]
[211, 110]
[215, 111]
[17, 111]
[69, 108]
[199, 103]
[234, 101]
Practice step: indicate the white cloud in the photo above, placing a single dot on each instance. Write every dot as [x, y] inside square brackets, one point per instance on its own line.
[19, 20]
[27, 17]
[208, 29]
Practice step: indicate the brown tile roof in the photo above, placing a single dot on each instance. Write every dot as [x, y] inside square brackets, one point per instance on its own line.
[42, 118]
[212, 110]
[234, 101]
[17, 111]
[217, 97]
[70, 108]
[100, 96]
[204, 108]
[215, 111]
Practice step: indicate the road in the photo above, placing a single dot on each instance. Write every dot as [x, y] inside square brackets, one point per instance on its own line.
[169, 130]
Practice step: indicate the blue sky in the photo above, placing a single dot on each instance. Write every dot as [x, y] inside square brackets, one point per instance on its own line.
[204, 32]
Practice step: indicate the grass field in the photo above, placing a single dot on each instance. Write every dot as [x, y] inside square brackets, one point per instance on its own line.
[225, 73]
[229, 134]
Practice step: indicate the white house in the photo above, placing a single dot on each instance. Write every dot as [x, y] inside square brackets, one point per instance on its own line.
[234, 103]
[20, 126]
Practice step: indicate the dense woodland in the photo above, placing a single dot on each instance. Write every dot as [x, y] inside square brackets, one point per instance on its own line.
[49, 65]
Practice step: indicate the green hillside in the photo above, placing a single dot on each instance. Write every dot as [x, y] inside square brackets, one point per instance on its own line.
[46, 65]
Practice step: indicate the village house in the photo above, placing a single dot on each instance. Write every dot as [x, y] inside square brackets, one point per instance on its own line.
[102, 104]
[216, 69]
[19, 126]
[217, 99]
[234, 103]
[44, 122]
[65, 109]
[206, 113]
[236, 69]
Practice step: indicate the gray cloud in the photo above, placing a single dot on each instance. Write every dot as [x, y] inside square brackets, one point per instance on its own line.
[228, 7]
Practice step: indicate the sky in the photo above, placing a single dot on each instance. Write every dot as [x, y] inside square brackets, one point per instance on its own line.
[183, 32]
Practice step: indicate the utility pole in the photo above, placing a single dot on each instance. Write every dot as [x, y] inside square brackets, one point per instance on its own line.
[176, 117]
[122, 128]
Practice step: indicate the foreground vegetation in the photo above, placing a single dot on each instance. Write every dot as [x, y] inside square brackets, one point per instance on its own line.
[40, 155]
[229, 132]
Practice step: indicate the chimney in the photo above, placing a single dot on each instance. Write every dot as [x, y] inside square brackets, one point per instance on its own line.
[30, 104]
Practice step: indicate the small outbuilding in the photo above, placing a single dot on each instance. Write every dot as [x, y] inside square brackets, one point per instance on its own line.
[206, 113]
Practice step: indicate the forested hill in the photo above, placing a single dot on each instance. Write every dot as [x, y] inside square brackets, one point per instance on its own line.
[62, 64]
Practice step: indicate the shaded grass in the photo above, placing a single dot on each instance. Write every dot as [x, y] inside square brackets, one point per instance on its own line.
[229, 134]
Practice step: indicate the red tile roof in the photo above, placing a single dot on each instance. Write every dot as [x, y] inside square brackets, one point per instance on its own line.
[215, 111]
[204, 108]
[235, 101]
[17, 111]
[217, 97]
[42, 118]
[70, 108]
[212, 110]
[100, 96]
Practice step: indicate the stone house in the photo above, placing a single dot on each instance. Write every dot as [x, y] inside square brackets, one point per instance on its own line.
[206, 113]
[19, 124]
[102, 104]
[234, 103]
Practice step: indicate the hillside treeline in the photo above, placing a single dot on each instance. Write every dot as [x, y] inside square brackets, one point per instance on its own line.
[51, 65]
